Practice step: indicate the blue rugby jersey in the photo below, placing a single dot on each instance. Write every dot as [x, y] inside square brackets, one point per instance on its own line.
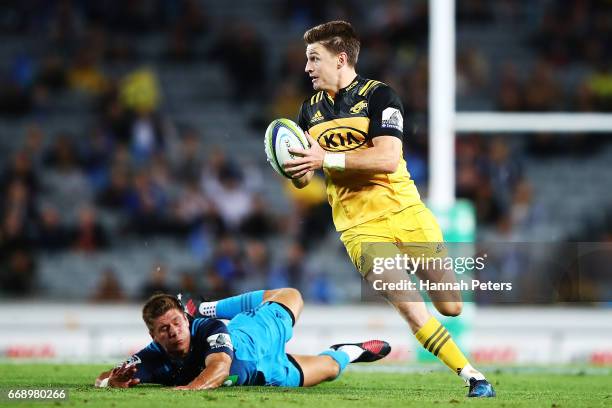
[207, 336]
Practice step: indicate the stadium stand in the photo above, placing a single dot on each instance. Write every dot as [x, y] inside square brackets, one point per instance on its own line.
[103, 112]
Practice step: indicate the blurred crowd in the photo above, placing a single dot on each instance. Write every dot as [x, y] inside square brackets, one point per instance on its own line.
[59, 196]
[133, 172]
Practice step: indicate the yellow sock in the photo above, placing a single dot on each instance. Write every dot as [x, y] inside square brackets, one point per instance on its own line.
[434, 337]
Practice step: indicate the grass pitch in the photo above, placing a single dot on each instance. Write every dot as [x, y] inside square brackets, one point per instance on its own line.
[385, 386]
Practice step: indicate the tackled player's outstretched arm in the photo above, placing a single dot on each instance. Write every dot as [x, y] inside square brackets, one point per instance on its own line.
[214, 375]
[119, 377]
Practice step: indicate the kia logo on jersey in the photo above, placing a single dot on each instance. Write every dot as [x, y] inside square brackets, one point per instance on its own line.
[341, 139]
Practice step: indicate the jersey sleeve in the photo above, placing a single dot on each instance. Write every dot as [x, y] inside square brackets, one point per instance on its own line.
[213, 336]
[147, 360]
[386, 113]
[301, 118]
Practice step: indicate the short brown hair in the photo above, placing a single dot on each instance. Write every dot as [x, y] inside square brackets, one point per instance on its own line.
[157, 305]
[337, 37]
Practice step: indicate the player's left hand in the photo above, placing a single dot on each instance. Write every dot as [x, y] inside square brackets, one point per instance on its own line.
[310, 159]
[123, 376]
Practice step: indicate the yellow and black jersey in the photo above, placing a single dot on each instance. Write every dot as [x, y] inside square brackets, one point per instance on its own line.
[360, 112]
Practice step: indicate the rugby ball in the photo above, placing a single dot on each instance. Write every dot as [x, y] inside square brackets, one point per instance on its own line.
[281, 135]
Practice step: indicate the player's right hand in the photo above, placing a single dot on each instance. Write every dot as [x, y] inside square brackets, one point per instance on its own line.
[123, 376]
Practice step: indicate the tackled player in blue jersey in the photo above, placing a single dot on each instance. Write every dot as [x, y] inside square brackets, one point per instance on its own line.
[192, 349]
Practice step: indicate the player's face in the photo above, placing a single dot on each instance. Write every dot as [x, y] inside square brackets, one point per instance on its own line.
[321, 66]
[171, 331]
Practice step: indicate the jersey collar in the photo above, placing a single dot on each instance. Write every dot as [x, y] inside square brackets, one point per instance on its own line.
[343, 91]
[350, 86]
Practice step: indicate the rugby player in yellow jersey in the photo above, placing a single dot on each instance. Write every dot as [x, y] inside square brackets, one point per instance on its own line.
[355, 128]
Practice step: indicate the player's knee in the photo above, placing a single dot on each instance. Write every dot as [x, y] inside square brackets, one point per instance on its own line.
[297, 296]
[291, 293]
[450, 308]
[293, 299]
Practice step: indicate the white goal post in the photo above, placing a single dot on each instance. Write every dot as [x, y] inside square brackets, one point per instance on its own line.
[445, 122]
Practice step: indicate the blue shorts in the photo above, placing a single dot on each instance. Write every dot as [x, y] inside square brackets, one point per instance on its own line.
[259, 336]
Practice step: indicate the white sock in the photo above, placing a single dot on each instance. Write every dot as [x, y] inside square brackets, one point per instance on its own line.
[353, 351]
[208, 309]
[468, 372]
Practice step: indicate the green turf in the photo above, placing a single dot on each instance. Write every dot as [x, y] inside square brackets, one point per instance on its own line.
[354, 389]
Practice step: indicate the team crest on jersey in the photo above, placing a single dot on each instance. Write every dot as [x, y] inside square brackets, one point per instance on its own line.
[392, 118]
[219, 340]
[317, 117]
[358, 107]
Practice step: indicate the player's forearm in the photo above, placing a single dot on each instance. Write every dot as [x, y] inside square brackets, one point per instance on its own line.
[212, 377]
[372, 160]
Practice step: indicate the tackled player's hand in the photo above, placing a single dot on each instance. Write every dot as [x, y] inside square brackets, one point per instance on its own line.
[123, 376]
